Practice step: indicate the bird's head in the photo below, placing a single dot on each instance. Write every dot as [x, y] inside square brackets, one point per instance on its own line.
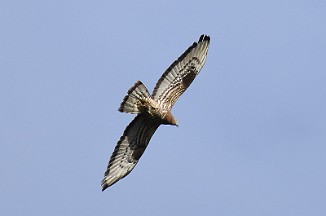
[170, 120]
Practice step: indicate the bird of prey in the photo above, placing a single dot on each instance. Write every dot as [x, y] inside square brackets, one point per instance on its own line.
[153, 110]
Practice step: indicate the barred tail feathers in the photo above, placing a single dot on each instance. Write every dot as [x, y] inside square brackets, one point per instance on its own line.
[133, 102]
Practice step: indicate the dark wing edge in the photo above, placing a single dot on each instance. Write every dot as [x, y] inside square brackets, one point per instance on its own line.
[178, 77]
[129, 149]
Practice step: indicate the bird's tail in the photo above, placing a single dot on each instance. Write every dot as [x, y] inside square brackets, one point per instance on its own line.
[135, 101]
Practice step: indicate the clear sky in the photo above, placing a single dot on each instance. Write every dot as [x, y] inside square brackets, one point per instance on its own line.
[252, 129]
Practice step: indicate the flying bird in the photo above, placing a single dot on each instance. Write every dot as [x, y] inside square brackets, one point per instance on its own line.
[153, 110]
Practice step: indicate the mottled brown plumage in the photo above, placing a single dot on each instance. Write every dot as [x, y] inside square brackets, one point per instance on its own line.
[153, 110]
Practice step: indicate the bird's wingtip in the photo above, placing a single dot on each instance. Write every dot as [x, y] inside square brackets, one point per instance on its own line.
[104, 186]
[204, 37]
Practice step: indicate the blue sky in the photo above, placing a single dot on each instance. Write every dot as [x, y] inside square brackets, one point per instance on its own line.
[252, 135]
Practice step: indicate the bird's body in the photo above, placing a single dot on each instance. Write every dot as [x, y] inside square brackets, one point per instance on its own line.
[156, 110]
[153, 110]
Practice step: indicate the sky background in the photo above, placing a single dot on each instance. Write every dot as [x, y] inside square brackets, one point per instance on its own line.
[252, 129]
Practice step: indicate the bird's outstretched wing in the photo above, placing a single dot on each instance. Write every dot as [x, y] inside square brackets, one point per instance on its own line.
[177, 78]
[130, 148]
